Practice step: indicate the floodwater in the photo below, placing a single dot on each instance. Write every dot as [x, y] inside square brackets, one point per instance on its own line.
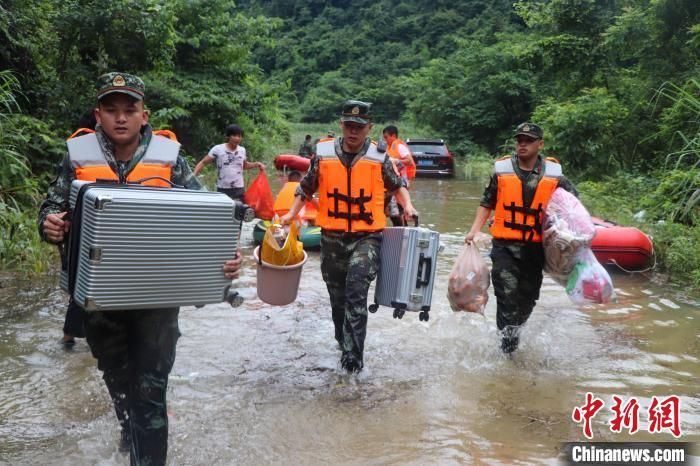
[262, 385]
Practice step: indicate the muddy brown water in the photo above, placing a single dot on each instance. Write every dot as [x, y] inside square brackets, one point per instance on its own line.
[261, 385]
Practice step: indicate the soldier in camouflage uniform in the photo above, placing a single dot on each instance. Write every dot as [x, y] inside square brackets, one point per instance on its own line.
[307, 147]
[351, 225]
[517, 254]
[135, 350]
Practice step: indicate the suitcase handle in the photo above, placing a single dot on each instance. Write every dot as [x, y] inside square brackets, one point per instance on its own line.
[424, 280]
[158, 178]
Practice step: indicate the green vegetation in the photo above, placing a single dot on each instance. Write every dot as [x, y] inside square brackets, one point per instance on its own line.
[614, 84]
[20, 246]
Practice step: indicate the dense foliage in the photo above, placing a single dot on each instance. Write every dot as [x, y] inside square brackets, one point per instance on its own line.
[613, 82]
[193, 55]
[587, 69]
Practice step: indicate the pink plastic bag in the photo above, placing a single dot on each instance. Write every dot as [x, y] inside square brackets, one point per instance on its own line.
[567, 230]
[468, 283]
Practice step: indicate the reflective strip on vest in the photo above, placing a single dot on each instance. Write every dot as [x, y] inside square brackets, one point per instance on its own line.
[512, 219]
[551, 168]
[328, 150]
[89, 163]
[350, 200]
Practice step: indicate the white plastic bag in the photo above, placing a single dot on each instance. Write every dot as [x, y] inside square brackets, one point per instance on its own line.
[567, 230]
[589, 282]
[468, 283]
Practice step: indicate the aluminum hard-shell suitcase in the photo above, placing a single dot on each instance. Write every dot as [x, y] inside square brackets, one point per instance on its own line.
[136, 247]
[407, 270]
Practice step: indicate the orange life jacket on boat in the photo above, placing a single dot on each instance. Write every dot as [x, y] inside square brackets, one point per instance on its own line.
[512, 219]
[309, 212]
[285, 198]
[89, 163]
[350, 199]
[409, 164]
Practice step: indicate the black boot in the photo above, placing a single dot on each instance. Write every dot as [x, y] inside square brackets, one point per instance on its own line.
[509, 339]
[350, 363]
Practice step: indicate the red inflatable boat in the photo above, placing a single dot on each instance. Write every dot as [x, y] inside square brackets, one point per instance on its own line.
[292, 162]
[625, 247]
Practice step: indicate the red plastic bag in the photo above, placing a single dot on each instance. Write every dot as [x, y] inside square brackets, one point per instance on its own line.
[259, 197]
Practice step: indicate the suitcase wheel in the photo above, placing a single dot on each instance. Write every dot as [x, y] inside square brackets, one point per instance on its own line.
[398, 313]
[423, 316]
[233, 298]
[373, 307]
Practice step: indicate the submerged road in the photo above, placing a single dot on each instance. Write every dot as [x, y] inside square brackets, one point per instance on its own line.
[262, 385]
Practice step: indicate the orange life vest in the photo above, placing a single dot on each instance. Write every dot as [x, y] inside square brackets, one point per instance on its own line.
[350, 199]
[89, 163]
[165, 133]
[81, 131]
[309, 212]
[285, 198]
[512, 219]
[409, 164]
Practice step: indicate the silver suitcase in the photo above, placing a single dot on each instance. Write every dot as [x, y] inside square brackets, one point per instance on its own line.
[136, 247]
[407, 270]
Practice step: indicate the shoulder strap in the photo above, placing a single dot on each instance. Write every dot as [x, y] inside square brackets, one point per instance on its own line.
[552, 169]
[166, 133]
[85, 151]
[504, 166]
[325, 149]
[80, 132]
[161, 150]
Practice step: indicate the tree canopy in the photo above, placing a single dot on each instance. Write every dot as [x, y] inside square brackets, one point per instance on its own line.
[590, 71]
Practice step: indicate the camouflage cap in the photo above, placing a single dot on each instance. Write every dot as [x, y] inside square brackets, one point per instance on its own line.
[529, 129]
[357, 111]
[124, 83]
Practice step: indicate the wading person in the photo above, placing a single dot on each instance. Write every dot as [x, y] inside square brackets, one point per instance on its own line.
[518, 192]
[306, 148]
[403, 159]
[135, 350]
[351, 177]
[230, 160]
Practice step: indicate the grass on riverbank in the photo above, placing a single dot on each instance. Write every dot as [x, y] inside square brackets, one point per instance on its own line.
[634, 201]
[21, 248]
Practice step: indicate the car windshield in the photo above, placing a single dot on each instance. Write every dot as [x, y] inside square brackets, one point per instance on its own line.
[428, 149]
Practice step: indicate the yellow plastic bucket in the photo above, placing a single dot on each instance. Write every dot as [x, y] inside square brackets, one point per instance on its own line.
[278, 284]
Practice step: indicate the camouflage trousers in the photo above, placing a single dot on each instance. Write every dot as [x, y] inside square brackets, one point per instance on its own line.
[349, 263]
[516, 275]
[135, 350]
